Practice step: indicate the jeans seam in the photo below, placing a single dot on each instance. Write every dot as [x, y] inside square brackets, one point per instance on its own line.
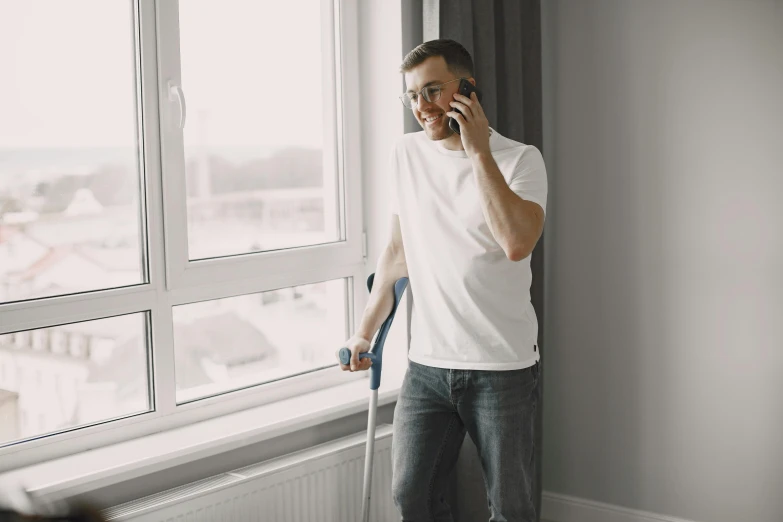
[435, 468]
[449, 375]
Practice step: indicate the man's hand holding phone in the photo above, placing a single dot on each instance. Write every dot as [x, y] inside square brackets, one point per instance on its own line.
[473, 123]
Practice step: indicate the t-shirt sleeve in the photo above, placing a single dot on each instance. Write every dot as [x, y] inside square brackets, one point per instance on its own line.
[392, 182]
[529, 180]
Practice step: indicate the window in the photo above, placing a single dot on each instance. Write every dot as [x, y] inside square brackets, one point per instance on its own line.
[180, 211]
[254, 142]
[39, 394]
[232, 343]
[70, 206]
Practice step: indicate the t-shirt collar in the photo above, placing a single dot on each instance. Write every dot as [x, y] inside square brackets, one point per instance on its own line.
[459, 153]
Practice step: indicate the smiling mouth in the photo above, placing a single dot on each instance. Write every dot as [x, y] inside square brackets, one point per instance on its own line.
[433, 119]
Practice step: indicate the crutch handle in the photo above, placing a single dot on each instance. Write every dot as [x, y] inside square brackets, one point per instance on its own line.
[345, 356]
[376, 352]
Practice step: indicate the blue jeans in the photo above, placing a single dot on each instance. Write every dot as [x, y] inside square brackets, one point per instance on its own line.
[435, 408]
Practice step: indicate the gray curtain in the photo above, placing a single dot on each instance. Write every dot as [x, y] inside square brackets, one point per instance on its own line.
[504, 38]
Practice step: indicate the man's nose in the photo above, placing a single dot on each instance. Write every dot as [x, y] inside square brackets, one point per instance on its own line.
[421, 103]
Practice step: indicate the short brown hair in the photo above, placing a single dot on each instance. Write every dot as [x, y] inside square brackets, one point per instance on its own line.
[457, 58]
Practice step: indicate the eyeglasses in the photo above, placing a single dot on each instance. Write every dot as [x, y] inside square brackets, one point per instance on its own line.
[431, 93]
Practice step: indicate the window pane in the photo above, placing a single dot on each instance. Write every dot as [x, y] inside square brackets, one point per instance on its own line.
[69, 171]
[254, 135]
[62, 377]
[232, 343]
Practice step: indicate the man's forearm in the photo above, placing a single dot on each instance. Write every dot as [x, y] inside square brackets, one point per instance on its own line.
[379, 306]
[509, 220]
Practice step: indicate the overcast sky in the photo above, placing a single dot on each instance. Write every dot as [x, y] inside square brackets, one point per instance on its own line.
[251, 70]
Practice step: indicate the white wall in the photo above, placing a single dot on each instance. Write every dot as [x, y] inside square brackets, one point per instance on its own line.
[381, 112]
[664, 353]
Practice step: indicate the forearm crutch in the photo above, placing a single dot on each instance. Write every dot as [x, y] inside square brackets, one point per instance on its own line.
[375, 355]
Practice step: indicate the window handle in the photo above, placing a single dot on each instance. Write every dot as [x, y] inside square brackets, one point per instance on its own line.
[176, 94]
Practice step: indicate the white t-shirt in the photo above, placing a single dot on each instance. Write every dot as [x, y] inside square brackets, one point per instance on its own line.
[471, 304]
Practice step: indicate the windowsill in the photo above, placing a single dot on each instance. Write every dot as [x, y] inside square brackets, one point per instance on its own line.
[90, 470]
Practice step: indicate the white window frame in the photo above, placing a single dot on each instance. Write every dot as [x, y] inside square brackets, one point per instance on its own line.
[172, 279]
[183, 273]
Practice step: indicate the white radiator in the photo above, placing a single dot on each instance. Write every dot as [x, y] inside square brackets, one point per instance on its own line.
[319, 484]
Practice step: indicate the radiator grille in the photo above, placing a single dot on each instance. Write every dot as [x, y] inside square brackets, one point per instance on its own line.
[320, 484]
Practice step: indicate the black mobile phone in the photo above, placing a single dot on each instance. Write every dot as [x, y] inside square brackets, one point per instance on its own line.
[465, 88]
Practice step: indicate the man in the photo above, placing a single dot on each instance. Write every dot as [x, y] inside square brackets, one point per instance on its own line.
[467, 211]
